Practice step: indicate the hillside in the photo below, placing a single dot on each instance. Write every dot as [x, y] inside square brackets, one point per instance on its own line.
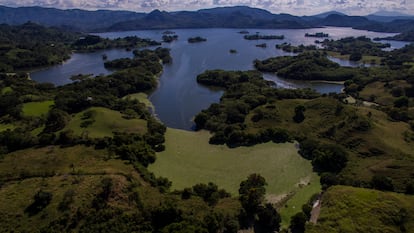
[348, 209]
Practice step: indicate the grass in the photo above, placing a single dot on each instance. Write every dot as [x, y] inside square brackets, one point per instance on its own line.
[37, 109]
[4, 127]
[6, 90]
[55, 170]
[382, 94]
[189, 159]
[365, 59]
[301, 196]
[104, 123]
[348, 209]
[142, 98]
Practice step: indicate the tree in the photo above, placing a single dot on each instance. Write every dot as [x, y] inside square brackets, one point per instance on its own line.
[268, 220]
[41, 200]
[356, 56]
[252, 192]
[297, 223]
[299, 114]
[56, 120]
[401, 102]
[382, 182]
[329, 158]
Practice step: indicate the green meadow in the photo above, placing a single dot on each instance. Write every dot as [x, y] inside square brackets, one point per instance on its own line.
[349, 209]
[103, 122]
[189, 159]
[37, 108]
[142, 98]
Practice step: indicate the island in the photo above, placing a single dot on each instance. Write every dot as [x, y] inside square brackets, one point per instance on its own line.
[196, 39]
[318, 35]
[233, 51]
[264, 45]
[264, 37]
[169, 38]
[168, 32]
[244, 32]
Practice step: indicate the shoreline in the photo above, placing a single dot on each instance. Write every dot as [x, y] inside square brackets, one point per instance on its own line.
[329, 82]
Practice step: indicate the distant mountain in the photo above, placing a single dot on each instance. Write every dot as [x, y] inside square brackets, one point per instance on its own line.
[248, 11]
[79, 20]
[344, 21]
[326, 14]
[389, 16]
[223, 17]
[230, 17]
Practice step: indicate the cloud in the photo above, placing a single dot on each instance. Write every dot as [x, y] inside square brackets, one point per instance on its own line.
[298, 7]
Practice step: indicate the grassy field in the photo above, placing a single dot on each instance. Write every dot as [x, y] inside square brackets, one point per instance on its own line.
[105, 122]
[348, 209]
[6, 90]
[142, 98]
[189, 159]
[365, 59]
[37, 108]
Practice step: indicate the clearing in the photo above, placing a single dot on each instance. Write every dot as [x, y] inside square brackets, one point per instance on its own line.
[189, 159]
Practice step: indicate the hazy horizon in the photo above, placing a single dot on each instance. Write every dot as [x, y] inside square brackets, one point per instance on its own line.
[295, 7]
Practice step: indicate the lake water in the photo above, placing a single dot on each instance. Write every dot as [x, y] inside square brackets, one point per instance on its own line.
[178, 97]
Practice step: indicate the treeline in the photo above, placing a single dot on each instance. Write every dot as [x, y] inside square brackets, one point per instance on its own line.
[92, 42]
[306, 66]
[404, 36]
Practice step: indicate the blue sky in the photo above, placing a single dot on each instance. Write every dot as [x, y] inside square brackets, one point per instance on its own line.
[296, 7]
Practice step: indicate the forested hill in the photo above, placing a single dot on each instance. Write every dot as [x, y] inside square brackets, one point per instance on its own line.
[223, 17]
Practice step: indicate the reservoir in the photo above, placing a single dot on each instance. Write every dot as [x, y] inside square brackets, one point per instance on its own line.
[178, 97]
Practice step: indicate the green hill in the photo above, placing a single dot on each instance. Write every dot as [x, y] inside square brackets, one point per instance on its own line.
[348, 209]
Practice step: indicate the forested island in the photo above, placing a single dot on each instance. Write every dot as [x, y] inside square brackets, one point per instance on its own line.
[318, 35]
[76, 158]
[196, 39]
[264, 37]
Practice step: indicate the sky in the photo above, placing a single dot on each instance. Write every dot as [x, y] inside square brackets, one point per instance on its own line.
[295, 7]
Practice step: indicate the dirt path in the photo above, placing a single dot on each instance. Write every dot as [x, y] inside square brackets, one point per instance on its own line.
[316, 210]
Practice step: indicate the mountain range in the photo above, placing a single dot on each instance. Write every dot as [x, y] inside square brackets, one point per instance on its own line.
[223, 17]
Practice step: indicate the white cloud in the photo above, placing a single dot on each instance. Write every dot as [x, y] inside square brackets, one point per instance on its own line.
[297, 7]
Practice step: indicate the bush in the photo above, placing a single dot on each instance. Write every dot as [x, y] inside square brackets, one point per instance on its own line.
[329, 158]
[355, 56]
[382, 182]
[41, 200]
